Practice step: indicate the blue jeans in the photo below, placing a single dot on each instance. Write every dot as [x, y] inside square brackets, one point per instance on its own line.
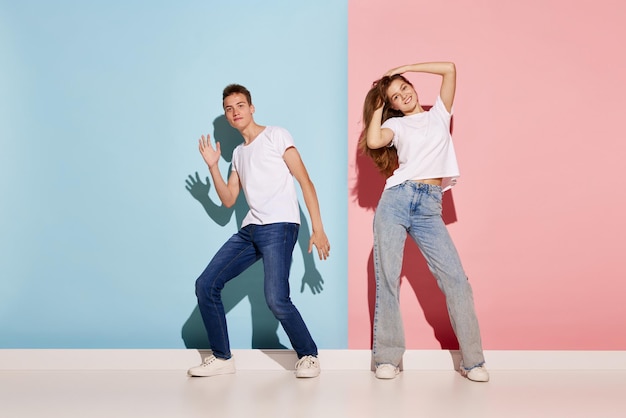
[274, 243]
[415, 209]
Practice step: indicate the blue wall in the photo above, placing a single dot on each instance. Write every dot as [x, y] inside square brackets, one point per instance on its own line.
[101, 106]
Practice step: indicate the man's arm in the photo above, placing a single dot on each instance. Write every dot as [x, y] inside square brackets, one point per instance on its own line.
[227, 192]
[318, 236]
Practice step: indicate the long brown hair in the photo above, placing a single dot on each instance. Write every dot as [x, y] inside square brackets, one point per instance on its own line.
[385, 158]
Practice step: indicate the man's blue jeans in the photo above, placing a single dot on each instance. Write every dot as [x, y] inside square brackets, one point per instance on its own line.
[274, 243]
[415, 209]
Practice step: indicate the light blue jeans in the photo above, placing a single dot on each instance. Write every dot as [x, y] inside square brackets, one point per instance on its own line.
[415, 209]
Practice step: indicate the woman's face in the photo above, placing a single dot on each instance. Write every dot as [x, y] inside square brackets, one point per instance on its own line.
[402, 96]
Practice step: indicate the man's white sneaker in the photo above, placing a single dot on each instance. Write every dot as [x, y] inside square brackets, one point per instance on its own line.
[213, 366]
[308, 366]
[386, 371]
[476, 374]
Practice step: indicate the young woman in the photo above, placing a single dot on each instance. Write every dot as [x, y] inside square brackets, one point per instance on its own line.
[413, 148]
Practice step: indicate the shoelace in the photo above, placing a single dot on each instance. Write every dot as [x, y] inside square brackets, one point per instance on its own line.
[208, 360]
[306, 361]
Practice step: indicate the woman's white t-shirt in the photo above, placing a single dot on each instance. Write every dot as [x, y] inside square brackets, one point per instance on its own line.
[425, 148]
[265, 178]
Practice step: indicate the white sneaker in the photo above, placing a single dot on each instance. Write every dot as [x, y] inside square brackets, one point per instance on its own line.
[308, 366]
[213, 366]
[476, 374]
[386, 371]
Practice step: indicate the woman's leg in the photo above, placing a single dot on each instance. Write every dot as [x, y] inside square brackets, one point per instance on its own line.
[389, 238]
[432, 237]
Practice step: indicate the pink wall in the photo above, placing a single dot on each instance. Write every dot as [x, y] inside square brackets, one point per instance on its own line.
[538, 128]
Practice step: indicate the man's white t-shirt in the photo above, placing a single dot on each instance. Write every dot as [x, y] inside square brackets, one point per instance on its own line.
[425, 148]
[265, 178]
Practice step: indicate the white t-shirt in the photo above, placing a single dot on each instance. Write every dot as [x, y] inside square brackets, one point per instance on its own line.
[425, 148]
[265, 178]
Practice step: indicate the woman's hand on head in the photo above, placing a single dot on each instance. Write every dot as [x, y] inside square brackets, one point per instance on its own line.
[394, 71]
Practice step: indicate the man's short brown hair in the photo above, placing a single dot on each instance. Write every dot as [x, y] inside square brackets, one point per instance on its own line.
[234, 89]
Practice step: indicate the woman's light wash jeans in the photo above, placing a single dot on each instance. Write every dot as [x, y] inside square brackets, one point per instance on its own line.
[274, 243]
[415, 208]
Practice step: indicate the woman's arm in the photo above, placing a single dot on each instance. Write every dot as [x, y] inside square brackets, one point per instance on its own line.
[445, 69]
[378, 137]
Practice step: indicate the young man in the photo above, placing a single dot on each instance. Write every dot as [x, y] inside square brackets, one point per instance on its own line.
[264, 166]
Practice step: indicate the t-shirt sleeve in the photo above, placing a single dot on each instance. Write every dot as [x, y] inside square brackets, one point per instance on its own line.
[281, 140]
[233, 166]
[440, 109]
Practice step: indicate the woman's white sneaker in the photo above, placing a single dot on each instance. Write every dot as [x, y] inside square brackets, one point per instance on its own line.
[213, 366]
[476, 374]
[386, 371]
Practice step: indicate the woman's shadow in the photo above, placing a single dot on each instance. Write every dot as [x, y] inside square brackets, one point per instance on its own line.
[368, 188]
[248, 284]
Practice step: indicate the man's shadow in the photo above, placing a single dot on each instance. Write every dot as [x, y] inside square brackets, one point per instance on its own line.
[248, 284]
[368, 188]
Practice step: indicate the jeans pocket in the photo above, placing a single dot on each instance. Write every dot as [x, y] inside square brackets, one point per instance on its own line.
[433, 203]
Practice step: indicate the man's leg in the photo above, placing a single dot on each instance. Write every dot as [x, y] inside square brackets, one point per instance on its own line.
[236, 255]
[276, 243]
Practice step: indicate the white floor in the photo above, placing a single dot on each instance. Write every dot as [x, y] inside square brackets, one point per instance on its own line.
[251, 393]
[271, 390]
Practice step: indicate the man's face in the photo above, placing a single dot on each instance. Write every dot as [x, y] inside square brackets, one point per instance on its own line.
[238, 111]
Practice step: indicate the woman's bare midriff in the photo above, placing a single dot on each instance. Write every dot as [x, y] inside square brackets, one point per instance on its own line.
[436, 182]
